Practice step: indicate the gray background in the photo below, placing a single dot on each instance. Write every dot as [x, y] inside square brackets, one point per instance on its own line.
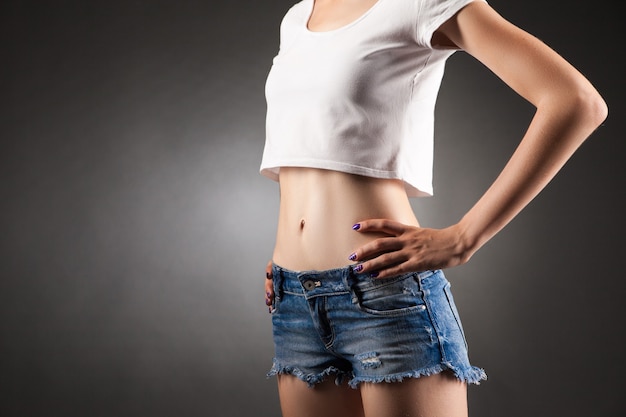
[136, 228]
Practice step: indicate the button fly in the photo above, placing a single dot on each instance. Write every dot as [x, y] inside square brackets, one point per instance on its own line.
[309, 284]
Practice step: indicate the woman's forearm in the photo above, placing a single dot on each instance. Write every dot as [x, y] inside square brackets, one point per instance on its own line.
[563, 121]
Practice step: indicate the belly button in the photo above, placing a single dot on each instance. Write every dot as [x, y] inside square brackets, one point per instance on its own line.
[302, 222]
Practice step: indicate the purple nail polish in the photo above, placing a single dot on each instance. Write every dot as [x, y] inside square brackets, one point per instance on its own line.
[356, 226]
[352, 257]
[358, 268]
[374, 274]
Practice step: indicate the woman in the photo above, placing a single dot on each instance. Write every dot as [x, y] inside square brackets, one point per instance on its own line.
[364, 321]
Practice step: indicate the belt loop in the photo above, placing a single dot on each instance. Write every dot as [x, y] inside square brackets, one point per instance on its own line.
[278, 278]
[350, 280]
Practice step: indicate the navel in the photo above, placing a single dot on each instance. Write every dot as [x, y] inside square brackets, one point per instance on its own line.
[302, 223]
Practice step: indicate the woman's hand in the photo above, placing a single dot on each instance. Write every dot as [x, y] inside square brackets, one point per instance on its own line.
[408, 248]
[269, 287]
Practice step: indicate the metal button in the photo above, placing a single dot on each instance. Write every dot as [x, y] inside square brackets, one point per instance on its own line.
[309, 284]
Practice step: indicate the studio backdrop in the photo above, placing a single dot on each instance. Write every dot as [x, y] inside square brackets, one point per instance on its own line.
[135, 226]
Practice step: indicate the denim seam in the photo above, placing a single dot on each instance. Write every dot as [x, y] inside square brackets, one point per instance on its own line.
[326, 294]
[399, 312]
[332, 329]
[387, 283]
[434, 323]
[448, 294]
[297, 294]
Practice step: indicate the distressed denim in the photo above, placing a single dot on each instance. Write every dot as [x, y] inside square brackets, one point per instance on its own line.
[348, 325]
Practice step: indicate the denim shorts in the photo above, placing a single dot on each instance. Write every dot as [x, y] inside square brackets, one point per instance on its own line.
[348, 325]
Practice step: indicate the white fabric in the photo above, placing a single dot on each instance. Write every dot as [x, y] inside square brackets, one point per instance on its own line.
[361, 98]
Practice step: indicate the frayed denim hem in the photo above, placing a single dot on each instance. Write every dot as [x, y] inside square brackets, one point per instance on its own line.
[472, 375]
[310, 379]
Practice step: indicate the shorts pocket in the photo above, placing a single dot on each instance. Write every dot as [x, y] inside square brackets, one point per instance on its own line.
[394, 296]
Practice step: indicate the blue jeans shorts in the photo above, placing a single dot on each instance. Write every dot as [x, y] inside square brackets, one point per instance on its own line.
[348, 325]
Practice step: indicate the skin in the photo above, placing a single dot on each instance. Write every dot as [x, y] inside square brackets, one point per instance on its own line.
[390, 240]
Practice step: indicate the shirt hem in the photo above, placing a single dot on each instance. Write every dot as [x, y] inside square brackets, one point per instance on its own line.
[413, 188]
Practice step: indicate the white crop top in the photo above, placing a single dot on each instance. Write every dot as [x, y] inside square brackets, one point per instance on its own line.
[361, 98]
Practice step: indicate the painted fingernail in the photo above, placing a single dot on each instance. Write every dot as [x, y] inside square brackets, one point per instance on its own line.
[268, 275]
[352, 257]
[358, 268]
[356, 226]
[374, 274]
[269, 310]
[268, 294]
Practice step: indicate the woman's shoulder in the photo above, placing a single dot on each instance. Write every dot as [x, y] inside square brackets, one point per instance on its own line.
[299, 10]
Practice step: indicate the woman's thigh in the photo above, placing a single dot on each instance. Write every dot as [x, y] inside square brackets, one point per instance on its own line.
[325, 399]
[435, 395]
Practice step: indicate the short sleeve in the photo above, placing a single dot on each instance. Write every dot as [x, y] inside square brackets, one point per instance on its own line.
[290, 25]
[431, 14]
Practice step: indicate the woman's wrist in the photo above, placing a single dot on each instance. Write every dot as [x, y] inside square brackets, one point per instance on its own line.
[468, 240]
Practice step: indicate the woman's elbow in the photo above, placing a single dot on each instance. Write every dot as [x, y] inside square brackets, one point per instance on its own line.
[592, 107]
[600, 109]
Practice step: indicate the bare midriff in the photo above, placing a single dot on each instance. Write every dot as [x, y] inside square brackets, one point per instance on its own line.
[318, 209]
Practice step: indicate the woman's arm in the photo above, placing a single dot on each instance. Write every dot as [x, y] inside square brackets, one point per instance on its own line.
[569, 109]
